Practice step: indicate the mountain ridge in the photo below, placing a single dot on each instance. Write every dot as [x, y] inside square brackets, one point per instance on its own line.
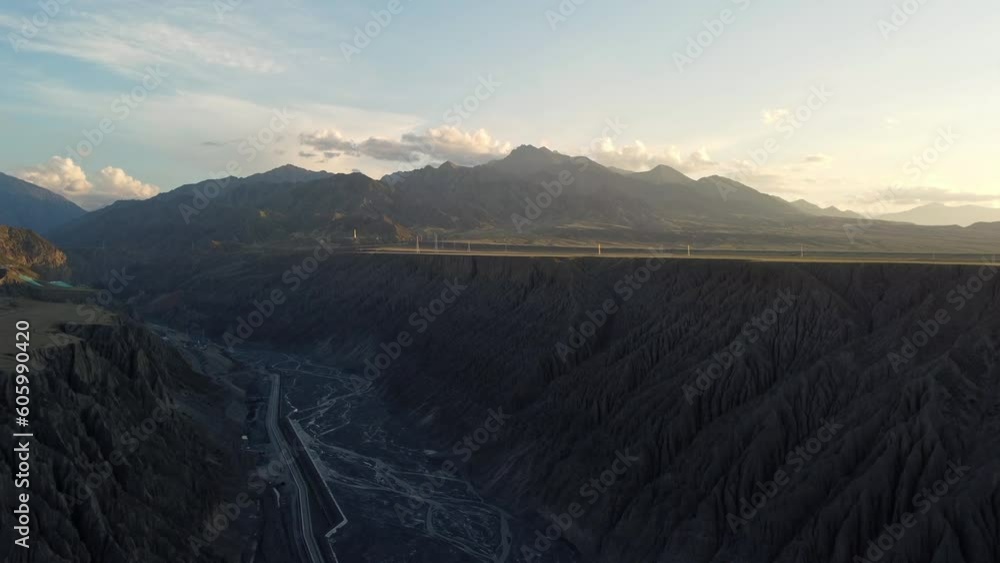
[23, 204]
[533, 194]
[939, 214]
[830, 211]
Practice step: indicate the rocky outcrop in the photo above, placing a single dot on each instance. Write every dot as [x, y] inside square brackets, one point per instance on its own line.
[23, 250]
[120, 471]
[779, 412]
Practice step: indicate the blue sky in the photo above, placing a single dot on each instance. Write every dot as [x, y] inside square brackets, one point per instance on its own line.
[217, 86]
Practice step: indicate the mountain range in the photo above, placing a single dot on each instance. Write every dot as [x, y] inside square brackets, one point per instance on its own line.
[23, 204]
[198, 256]
[532, 195]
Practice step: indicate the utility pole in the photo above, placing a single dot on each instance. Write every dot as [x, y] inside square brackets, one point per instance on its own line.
[689, 251]
[418, 244]
[355, 234]
[598, 249]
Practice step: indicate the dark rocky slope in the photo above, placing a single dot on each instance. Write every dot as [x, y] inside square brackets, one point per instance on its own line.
[23, 204]
[120, 471]
[824, 360]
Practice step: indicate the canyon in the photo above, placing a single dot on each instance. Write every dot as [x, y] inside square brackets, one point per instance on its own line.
[831, 357]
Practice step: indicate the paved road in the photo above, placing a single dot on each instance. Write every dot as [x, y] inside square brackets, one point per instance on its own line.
[616, 252]
[301, 488]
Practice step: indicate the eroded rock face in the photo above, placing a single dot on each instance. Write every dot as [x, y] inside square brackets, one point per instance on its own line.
[830, 425]
[119, 471]
[26, 251]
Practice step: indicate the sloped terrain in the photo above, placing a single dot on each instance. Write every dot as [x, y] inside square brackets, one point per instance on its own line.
[26, 252]
[845, 427]
[23, 204]
[233, 210]
[120, 472]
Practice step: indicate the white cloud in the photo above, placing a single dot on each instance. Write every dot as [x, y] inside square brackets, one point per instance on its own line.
[125, 41]
[114, 181]
[463, 147]
[817, 158]
[436, 144]
[773, 116]
[65, 177]
[638, 156]
[60, 175]
[329, 140]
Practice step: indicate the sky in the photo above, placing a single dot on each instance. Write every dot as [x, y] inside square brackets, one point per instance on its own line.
[866, 104]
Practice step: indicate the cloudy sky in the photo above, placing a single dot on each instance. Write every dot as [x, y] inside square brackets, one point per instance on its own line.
[831, 101]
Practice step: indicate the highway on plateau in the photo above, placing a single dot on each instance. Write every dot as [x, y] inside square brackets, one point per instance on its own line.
[596, 250]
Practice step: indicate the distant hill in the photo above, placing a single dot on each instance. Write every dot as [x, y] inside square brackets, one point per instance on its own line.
[259, 208]
[23, 251]
[23, 204]
[745, 201]
[813, 209]
[940, 214]
[288, 174]
[663, 174]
